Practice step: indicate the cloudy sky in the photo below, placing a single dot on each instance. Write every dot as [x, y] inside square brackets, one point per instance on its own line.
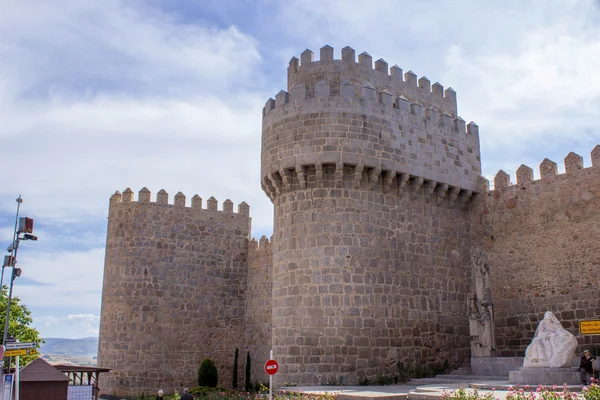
[97, 96]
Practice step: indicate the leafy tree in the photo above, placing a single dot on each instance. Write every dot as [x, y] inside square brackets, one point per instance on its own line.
[19, 323]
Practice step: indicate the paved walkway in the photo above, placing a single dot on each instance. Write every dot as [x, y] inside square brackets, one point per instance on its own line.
[410, 391]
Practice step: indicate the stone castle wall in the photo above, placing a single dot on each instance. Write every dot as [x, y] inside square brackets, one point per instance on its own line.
[174, 291]
[371, 243]
[379, 205]
[258, 307]
[542, 243]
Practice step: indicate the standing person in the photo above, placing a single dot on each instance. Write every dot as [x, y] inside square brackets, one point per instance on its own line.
[186, 395]
[160, 395]
[586, 366]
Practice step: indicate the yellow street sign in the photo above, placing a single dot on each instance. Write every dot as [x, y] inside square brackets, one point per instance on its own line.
[20, 352]
[589, 327]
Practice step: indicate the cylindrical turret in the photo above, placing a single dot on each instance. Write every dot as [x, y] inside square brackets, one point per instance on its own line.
[371, 177]
[174, 291]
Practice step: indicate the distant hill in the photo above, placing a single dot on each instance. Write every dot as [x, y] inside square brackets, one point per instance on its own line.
[75, 347]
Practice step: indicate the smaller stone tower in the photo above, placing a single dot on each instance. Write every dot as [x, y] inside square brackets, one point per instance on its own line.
[174, 291]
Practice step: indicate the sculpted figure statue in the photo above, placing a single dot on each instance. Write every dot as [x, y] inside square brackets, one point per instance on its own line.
[552, 346]
[481, 314]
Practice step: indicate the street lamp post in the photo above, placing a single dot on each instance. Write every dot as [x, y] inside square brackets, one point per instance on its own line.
[19, 201]
[23, 231]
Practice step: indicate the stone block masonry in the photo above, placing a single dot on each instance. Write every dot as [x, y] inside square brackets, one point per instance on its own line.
[174, 291]
[259, 307]
[371, 245]
[543, 238]
[379, 207]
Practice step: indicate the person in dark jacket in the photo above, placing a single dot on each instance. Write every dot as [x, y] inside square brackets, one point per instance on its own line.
[586, 366]
[186, 395]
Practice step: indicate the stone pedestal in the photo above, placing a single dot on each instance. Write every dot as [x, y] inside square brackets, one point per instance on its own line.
[545, 376]
[495, 366]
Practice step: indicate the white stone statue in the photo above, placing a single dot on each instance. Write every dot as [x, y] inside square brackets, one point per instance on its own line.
[481, 313]
[551, 347]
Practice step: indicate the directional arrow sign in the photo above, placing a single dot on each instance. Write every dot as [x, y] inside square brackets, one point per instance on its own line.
[20, 352]
[16, 346]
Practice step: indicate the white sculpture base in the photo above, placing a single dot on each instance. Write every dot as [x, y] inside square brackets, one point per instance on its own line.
[545, 376]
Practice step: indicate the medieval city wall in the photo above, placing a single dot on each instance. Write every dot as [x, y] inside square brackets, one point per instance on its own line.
[379, 209]
[259, 307]
[371, 244]
[174, 291]
[541, 238]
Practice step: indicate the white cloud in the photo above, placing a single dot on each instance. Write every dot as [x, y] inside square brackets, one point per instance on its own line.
[72, 326]
[87, 45]
[102, 96]
[99, 96]
[61, 279]
[526, 73]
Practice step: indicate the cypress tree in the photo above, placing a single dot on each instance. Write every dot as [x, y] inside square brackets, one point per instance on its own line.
[248, 384]
[235, 368]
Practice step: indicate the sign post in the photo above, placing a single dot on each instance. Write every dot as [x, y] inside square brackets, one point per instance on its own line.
[7, 386]
[271, 368]
[17, 376]
[20, 346]
[20, 352]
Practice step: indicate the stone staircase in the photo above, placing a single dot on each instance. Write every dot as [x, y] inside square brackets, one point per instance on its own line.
[433, 388]
[459, 375]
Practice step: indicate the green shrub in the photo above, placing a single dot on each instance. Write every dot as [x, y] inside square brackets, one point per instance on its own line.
[404, 373]
[423, 371]
[263, 389]
[207, 374]
[592, 392]
[446, 367]
[258, 386]
[363, 381]
[333, 381]
[205, 392]
[383, 380]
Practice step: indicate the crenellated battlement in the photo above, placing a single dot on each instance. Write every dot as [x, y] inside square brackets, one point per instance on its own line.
[548, 169]
[307, 72]
[126, 198]
[169, 269]
[369, 130]
[367, 96]
[261, 248]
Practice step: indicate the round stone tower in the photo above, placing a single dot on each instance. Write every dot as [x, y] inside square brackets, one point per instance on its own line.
[371, 173]
[174, 291]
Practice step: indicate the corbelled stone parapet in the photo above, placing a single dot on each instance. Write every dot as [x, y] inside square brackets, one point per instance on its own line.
[384, 146]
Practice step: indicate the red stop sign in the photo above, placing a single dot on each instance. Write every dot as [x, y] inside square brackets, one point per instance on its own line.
[271, 367]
